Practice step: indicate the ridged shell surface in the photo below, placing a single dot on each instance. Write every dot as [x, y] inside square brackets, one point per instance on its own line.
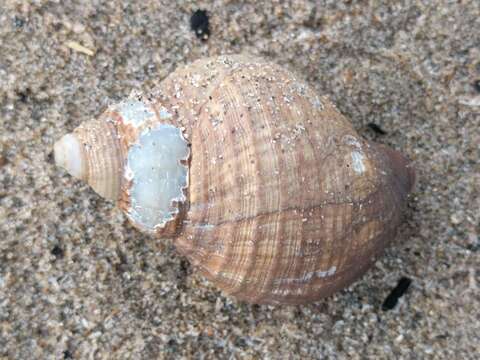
[286, 202]
[102, 169]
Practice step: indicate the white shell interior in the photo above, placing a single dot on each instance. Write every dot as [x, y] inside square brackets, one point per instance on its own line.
[154, 165]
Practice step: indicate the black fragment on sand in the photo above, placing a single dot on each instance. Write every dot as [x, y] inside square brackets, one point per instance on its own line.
[18, 22]
[57, 251]
[476, 85]
[399, 290]
[376, 128]
[200, 25]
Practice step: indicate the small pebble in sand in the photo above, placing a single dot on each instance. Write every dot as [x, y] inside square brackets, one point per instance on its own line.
[397, 292]
[199, 23]
[376, 128]
[456, 218]
[476, 85]
[79, 48]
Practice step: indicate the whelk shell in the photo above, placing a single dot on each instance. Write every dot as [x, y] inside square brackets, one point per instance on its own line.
[267, 189]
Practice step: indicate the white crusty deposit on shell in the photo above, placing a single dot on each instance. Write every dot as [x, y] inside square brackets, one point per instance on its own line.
[357, 162]
[352, 141]
[309, 276]
[134, 112]
[158, 176]
[357, 155]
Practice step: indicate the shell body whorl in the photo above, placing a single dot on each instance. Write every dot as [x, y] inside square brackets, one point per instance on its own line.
[283, 202]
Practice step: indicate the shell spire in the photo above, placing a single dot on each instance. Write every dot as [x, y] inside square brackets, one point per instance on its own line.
[93, 153]
[69, 154]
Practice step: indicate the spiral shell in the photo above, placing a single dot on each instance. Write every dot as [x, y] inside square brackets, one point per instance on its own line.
[266, 187]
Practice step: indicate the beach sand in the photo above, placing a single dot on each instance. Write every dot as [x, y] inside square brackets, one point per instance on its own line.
[78, 282]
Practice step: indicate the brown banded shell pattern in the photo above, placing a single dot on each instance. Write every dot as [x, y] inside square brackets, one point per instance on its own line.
[102, 170]
[286, 202]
